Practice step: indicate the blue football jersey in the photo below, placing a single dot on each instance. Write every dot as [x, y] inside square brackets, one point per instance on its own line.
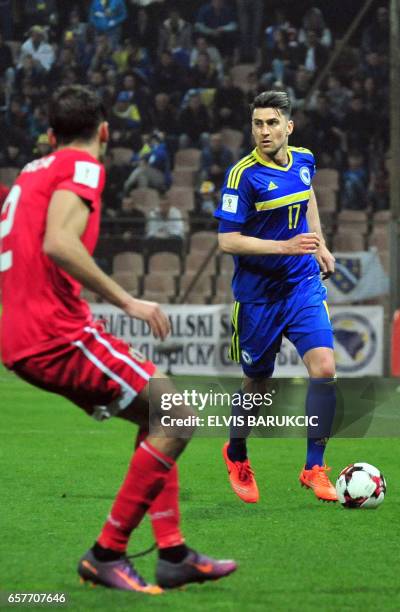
[264, 200]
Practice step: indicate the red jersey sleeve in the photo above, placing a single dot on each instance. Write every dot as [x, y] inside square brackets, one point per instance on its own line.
[81, 174]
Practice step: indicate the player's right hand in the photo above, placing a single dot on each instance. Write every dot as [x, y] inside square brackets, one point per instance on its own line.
[302, 244]
[151, 313]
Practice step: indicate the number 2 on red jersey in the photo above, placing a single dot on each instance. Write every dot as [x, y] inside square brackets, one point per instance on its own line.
[9, 208]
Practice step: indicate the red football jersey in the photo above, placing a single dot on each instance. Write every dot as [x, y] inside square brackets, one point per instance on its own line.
[41, 303]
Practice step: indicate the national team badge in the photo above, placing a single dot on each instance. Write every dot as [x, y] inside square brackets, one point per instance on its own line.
[305, 175]
[247, 358]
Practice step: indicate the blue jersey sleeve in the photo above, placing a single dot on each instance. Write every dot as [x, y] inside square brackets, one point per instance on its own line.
[236, 205]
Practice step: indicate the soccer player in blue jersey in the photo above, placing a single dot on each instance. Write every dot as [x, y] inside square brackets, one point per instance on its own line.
[269, 222]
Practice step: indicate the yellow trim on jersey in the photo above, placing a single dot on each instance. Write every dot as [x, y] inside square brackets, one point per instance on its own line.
[292, 198]
[327, 309]
[271, 164]
[234, 169]
[237, 171]
[234, 351]
[301, 150]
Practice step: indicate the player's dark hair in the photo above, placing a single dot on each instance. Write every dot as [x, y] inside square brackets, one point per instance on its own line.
[75, 113]
[273, 99]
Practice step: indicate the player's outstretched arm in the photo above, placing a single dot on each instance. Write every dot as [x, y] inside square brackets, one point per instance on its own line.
[66, 222]
[237, 244]
[324, 257]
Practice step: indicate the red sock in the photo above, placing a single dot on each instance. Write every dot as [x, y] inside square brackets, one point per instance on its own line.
[164, 511]
[147, 474]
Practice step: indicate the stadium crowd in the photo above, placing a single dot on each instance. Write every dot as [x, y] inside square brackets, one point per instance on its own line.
[172, 82]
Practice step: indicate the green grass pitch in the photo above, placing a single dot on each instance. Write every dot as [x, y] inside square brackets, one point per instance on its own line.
[60, 471]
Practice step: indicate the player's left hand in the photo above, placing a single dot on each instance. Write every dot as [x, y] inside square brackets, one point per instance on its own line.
[326, 261]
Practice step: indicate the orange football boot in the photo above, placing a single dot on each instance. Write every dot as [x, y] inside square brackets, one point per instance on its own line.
[241, 477]
[317, 480]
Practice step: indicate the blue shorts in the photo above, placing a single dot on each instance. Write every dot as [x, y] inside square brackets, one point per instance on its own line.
[257, 329]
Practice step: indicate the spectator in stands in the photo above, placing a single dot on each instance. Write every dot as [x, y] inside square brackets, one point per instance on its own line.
[202, 45]
[77, 27]
[301, 86]
[6, 60]
[175, 36]
[280, 62]
[28, 70]
[39, 122]
[40, 12]
[358, 125]
[338, 97]
[18, 115]
[375, 66]
[169, 76]
[116, 176]
[164, 119]
[203, 75]
[107, 17]
[165, 229]
[228, 105]
[6, 19]
[215, 160]
[314, 20]
[355, 182]
[207, 198]
[379, 188]
[328, 135]
[304, 134]
[313, 54]
[194, 122]
[12, 155]
[376, 35]
[126, 110]
[217, 21]
[42, 146]
[152, 166]
[38, 48]
[250, 18]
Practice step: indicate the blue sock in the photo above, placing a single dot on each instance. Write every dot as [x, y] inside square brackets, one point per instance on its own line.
[321, 403]
[237, 449]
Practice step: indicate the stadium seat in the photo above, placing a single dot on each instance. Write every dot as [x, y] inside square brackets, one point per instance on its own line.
[181, 197]
[202, 286]
[183, 176]
[326, 198]
[8, 175]
[381, 217]
[121, 156]
[226, 264]
[348, 241]
[15, 46]
[196, 258]
[157, 296]
[90, 296]
[160, 282]
[188, 158]
[197, 298]
[327, 177]
[240, 75]
[232, 139]
[145, 198]
[202, 241]
[168, 262]
[379, 238]
[128, 280]
[353, 220]
[128, 261]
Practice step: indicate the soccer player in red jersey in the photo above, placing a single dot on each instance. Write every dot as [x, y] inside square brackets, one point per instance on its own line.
[49, 228]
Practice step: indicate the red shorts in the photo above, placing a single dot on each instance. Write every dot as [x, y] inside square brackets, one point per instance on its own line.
[98, 372]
